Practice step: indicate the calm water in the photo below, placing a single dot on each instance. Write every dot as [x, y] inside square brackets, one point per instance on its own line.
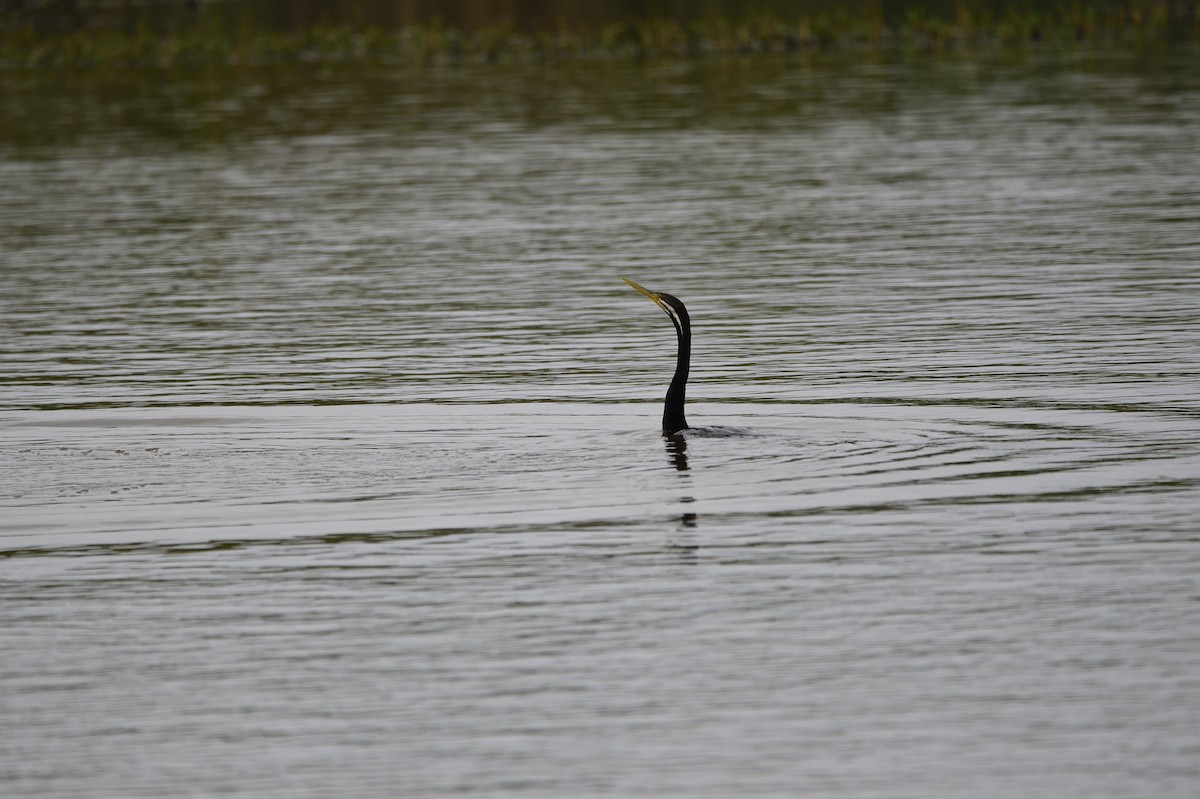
[330, 459]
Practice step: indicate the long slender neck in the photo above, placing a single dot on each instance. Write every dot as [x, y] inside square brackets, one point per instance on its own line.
[673, 420]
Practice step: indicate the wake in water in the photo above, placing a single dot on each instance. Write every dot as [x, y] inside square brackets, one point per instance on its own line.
[720, 431]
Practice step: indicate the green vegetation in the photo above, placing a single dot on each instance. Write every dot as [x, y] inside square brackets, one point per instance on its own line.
[966, 26]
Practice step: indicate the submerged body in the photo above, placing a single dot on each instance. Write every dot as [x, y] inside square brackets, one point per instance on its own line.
[673, 417]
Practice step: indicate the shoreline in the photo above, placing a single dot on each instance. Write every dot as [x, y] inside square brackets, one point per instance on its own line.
[1139, 26]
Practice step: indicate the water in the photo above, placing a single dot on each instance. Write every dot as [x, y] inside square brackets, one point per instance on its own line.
[330, 453]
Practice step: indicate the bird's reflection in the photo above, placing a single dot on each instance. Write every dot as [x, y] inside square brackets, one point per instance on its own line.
[677, 454]
[677, 451]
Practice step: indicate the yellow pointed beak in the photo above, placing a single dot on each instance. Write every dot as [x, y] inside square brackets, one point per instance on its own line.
[651, 294]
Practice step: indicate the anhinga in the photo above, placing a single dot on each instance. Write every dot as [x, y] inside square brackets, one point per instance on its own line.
[673, 421]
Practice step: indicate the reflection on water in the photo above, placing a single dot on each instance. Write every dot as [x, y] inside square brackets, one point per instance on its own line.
[677, 451]
[330, 445]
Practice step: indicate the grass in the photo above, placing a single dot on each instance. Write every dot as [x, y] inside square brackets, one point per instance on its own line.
[1073, 25]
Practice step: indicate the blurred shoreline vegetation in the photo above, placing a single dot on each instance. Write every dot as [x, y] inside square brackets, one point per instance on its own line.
[100, 34]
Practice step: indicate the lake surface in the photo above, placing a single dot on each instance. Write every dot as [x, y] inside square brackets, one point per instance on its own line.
[329, 434]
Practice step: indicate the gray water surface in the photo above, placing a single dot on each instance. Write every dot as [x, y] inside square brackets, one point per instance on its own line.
[329, 447]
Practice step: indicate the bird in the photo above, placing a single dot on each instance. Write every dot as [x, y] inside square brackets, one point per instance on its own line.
[673, 419]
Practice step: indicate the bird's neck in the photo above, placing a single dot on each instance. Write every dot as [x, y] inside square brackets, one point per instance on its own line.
[673, 419]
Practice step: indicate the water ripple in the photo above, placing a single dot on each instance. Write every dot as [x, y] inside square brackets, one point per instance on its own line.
[329, 447]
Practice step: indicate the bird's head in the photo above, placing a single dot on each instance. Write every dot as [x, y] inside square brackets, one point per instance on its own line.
[672, 305]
